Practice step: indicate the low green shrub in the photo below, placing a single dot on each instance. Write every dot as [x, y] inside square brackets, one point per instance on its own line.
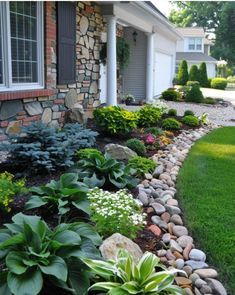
[153, 130]
[194, 95]
[188, 113]
[125, 276]
[142, 165]
[86, 153]
[61, 195]
[99, 171]
[191, 121]
[115, 120]
[192, 83]
[183, 90]
[209, 100]
[172, 112]
[137, 146]
[47, 148]
[148, 115]
[170, 94]
[171, 124]
[31, 253]
[8, 189]
[115, 212]
[219, 83]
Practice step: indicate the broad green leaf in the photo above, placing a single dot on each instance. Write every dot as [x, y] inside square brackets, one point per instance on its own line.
[167, 282]
[35, 202]
[146, 265]
[94, 181]
[14, 262]
[117, 291]
[3, 237]
[175, 290]
[135, 272]
[67, 179]
[104, 286]
[82, 204]
[12, 241]
[29, 283]
[4, 290]
[77, 277]
[67, 237]
[32, 221]
[32, 238]
[88, 231]
[105, 269]
[131, 287]
[56, 267]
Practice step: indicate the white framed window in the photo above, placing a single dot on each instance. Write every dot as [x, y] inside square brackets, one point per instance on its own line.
[21, 45]
[195, 44]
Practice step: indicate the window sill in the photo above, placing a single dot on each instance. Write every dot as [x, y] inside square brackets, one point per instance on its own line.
[26, 94]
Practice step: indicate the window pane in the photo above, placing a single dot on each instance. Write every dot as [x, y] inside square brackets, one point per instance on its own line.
[24, 42]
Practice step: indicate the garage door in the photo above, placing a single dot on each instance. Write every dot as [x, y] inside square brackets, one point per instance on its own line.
[162, 72]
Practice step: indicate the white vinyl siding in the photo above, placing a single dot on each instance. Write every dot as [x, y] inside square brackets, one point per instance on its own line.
[22, 45]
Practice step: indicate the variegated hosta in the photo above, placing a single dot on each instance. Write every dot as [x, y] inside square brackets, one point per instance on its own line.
[123, 277]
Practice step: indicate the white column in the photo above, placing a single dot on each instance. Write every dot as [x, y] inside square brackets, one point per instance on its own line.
[111, 62]
[149, 67]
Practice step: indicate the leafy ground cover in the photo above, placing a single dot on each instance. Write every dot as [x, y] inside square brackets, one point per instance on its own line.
[206, 189]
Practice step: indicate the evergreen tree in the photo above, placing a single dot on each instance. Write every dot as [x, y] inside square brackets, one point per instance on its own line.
[182, 76]
[203, 75]
[194, 73]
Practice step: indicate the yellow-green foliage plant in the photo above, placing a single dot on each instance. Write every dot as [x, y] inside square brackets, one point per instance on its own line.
[115, 120]
[8, 189]
[124, 276]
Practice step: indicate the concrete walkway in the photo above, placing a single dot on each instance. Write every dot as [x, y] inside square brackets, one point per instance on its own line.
[227, 95]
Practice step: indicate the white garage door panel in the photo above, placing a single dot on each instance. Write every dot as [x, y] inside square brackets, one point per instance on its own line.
[163, 72]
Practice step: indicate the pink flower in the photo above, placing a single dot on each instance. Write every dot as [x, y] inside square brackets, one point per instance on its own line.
[150, 139]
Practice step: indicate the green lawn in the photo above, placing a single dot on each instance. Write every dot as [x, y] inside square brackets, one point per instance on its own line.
[206, 191]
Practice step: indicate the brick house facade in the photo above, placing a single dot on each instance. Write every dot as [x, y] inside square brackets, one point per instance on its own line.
[51, 102]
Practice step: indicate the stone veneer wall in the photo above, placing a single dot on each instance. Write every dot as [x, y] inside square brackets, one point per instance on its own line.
[50, 105]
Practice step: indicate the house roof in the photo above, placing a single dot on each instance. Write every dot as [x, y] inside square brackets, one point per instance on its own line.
[149, 3]
[194, 57]
[191, 32]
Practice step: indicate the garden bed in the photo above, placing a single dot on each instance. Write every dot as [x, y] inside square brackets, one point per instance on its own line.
[67, 188]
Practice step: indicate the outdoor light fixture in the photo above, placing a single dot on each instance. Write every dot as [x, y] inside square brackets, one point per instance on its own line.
[134, 35]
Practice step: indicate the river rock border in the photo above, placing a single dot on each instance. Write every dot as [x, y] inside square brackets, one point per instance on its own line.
[157, 193]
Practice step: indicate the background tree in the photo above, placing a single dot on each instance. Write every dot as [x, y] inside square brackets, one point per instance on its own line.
[182, 76]
[194, 73]
[225, 35]
[203, 78]
[216, 17]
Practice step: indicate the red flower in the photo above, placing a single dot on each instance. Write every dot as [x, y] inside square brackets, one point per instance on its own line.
[150, 139]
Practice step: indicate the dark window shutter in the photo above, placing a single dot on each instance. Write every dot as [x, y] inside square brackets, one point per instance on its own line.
[66, 42]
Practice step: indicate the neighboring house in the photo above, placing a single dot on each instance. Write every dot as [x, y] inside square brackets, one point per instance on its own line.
[195, 48]
[50, 58]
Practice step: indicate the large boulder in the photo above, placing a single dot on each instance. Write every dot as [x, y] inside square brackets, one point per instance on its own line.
[77, 114]
[119, 152]
[111, 246]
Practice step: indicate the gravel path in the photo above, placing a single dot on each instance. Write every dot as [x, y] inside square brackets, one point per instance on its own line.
[219, 114]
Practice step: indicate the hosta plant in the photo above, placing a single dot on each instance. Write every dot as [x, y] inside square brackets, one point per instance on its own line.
[124, 276]
[99, 171]
[31, 252]
[116, 212]
[61, 195]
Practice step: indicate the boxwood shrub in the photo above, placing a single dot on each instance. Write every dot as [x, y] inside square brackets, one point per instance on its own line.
[171, 124]
[137, 146]
[219, 83]
[191, 121]
[171, 95]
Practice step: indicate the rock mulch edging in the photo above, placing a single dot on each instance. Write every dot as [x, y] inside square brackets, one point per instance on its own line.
[157, 192]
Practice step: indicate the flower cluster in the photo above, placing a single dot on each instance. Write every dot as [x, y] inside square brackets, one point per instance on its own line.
[8, 188]
[150, 139]
[163, 107]
[116, 212]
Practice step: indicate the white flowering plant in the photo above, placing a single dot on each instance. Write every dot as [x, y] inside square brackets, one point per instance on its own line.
[163, 107]
[116, 212]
